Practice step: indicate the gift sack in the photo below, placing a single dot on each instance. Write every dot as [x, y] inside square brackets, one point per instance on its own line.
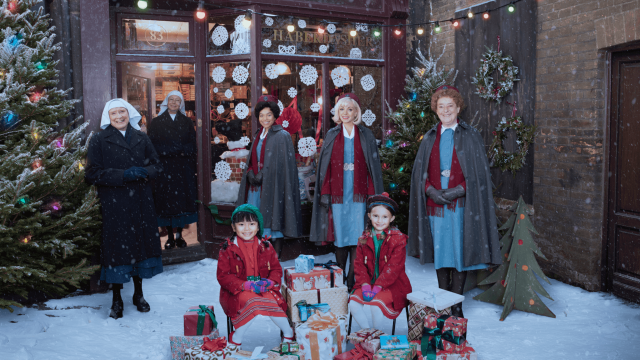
[397, 354]
[323, 336]
[337, 299]
[417, 314]
[180, 343]
[199, 320]
[369, 339]
[468, 353]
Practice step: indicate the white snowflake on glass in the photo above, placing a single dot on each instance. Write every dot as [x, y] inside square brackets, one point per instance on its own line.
[285, 124]
[340, 76]
[245, 141]
[216, 140]
[223, 170]
[240, 74]
[271, 71]
[367, 82]
[307, 146]
[242, 110]
[315, 107]
[292, 92]
[219, 36]
[290, 50]
[268, 21]
[220, 109]
[308, 75]
[266, 43]
[368, 117]
[243, 165]
[355, 53]
[215, 90]
[218, 74]
[331, 28]
[241, 47]
[228, 94]
[302, 24]
[323, 48]
[362, 27]
[333, 111]
[281, 106]
[238, 24]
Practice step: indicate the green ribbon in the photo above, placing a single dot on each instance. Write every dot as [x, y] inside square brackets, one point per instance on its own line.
[286, 353]
[214, 211]
[432, 338]
[203, 310]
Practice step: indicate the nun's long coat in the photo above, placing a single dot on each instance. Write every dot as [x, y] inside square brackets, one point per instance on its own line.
[129, 224]
[175, 189]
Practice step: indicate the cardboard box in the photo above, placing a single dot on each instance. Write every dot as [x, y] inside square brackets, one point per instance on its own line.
[318, 278]
[337, 298]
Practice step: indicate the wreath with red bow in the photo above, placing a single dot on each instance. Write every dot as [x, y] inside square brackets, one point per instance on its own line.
[525, 134]
[492, 61]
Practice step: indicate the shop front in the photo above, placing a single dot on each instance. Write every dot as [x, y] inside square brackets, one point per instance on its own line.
[223, 58]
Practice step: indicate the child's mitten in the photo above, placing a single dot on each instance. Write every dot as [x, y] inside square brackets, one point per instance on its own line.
[367, 294]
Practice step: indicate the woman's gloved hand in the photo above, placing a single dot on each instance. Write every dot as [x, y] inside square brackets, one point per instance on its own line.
[437, 196]
[135, 173]
[325, 200]
[453, 193]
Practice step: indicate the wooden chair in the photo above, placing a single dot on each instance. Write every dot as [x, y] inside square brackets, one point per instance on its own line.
[393, 328]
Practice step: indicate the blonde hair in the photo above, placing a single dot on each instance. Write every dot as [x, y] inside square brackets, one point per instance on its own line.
[345, 101]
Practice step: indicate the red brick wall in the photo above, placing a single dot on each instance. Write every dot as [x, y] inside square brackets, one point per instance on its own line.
[237, 167]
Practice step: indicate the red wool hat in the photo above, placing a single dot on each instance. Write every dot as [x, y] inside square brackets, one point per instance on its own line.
[350, 96]
[446, 87]
[292, 117]
[267, 98]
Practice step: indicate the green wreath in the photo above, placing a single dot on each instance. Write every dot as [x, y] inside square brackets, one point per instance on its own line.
[490, 62]
[512, 161]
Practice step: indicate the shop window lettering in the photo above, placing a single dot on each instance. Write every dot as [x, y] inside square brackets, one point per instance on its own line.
[316, 38]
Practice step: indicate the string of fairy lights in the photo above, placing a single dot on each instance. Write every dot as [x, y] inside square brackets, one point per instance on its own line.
[201, 14]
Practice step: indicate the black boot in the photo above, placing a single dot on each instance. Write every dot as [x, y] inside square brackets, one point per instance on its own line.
[180, 240]
[171, 242]
[116, 304]
[138, 298]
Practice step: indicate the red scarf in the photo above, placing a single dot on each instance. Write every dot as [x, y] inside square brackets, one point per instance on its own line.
[333, 180]
[255, 166]
[250, 251]
[456, 177]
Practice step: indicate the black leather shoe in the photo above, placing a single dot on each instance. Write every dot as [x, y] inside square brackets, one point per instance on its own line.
[116, 309]
[141, 303]
[170, 244]
[180, 241]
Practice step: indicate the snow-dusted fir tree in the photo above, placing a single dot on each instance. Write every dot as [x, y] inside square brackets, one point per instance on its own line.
[412, 118]
[49, 218]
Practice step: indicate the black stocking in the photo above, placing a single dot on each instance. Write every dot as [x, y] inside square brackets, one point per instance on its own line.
[179, 230]
[444, 278]
[137, 286]
[342, 254]
[457, 286]
[115, 288]
[352, 261]
[170, 232]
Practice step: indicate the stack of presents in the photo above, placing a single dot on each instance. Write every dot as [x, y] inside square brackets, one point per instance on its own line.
[317, 310]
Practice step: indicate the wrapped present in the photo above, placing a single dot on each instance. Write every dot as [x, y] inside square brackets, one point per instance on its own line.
[396, 354]
[468, 353]
[180, 343]
[277, 354]
[337, 299]
[369, 339]
[323, 336]
[320, 277]
[305, 310]
[223, 350]
[394, 342]
[417, 313]
[199, 320]
[304, 263]
[287, 347]
[443, 332]
[357, 353]
[247, 355]
[435, 298]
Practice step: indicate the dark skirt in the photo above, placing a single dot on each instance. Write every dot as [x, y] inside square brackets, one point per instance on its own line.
[145, 269]
[180, 220]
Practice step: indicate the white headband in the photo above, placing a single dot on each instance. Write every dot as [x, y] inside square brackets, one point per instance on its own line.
[163, 106]
[134, 115]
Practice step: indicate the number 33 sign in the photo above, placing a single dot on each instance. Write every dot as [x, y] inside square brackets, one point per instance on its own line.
[156, 35]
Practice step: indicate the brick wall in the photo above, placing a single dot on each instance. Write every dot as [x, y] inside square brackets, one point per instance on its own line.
[237, 166]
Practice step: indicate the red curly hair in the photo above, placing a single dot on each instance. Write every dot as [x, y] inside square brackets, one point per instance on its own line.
[450, 93]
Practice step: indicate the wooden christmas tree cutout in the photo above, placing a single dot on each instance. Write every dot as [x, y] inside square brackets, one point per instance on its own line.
[514, 283]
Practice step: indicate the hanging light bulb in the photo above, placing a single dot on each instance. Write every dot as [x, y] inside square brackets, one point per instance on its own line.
[142, 4]
[290, 26]
[264, 90]
[12, 7]
[456, 23]
[486, 15]
[470, 14]
[353, 32]
[321, 27]
[511, 8]
[420, 31]
[438, 28]
[200, 13]
[246, 22]
[398, 30]
[376, 33]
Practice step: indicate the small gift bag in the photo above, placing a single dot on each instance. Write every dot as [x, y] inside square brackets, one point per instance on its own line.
[199, 320]
[369, 339]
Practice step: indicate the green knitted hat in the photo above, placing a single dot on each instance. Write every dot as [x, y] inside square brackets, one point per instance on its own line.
[251, 209]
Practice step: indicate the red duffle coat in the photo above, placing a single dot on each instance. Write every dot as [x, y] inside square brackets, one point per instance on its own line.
[232, 272]
[391, 266]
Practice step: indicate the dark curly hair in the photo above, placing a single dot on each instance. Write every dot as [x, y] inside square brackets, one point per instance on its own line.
[450, 93]
[244, 216]
[275, 109]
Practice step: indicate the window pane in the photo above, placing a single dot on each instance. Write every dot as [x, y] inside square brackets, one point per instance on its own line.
[229, 35]
[311, 37]
[152, 35]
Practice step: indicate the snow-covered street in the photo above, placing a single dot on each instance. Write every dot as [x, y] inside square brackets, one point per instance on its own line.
[588, 325]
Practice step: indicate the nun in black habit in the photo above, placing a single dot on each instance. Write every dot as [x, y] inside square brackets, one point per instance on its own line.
[120, 162]
[175, 190]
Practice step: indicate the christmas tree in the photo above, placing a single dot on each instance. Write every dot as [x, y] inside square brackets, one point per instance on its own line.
[49, 217]
[412, 119]
[515, 284]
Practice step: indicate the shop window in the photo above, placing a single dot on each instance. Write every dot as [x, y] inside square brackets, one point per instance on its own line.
[302, 36]
[229, 35]
[152, 35]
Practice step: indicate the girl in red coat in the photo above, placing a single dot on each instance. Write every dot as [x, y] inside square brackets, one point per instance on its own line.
[249, 273]
[381, 282]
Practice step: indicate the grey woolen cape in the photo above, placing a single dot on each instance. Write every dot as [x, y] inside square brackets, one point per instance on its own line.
[280, 195]
[320, 214]
[481, 238]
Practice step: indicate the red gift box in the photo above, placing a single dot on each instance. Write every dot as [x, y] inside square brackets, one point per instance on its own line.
[318, 278]
[195, 314]
[467, 353]
[456, 324]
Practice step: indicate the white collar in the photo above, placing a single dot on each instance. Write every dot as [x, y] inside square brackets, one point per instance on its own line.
[173, 116]
[123, 132]
[346, 133]
[264, 133]
[445, 128]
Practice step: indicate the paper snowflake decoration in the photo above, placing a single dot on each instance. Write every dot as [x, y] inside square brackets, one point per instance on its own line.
[241, 47]
[218, 74]
[220, 109]
[243, 165]
[216, 140]
[238, 24]
[292, 92]
[368, 117]
[268, 21]
[362, 27]
[242, 110]
[223, 170]
[315, 107]
[302, 24]
[331, 28]
[340, 76]
[355, 53]
[240, 74]
[323, 48]
[281, 106]
[266, 43]
[333, 111]
[228, 94]
[285, 124]
[215, 90]
[367, 82]
[245, 141]
[271, 71]
[219, 36]
[307, 146]
[308, 75]
[289, 50]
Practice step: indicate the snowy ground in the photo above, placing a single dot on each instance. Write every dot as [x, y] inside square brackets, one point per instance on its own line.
[588, 325]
